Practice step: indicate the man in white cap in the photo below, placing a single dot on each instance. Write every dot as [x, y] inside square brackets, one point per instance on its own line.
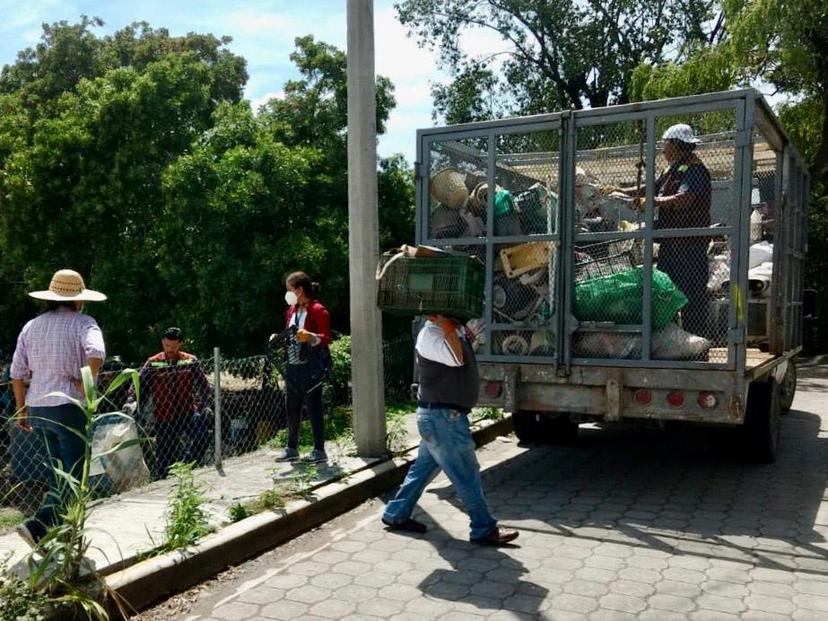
[682, 198]
[51, 350]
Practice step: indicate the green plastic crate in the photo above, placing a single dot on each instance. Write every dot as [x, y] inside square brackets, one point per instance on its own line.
[451, 285]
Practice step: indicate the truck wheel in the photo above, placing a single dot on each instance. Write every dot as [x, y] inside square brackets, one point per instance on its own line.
[543, 427]
[558, 429]
[787, 389]
[526, 426]
[762, 424]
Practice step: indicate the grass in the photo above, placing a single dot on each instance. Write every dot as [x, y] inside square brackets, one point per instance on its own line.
[10, 518]
[339, 426]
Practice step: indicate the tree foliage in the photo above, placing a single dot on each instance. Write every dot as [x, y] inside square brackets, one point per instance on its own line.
[134, 159]
[776, 41]
[557, 54]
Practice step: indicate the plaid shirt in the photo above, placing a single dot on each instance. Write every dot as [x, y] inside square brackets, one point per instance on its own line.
[51, 350]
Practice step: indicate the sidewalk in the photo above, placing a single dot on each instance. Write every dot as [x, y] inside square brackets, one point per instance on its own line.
[124, 527]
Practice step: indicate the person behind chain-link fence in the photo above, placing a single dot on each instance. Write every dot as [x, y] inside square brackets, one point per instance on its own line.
[308, 362]
[182, 402]
[682, 197]
[51, 350]
[448, 389]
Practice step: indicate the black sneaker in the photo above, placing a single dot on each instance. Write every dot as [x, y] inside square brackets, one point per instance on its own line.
[408, 525]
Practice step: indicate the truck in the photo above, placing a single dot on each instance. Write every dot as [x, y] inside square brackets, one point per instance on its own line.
[579, 323]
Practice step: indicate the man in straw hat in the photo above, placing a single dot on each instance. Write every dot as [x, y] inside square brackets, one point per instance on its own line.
[51, 350]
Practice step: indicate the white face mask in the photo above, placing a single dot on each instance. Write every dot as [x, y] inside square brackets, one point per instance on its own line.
[290, 298]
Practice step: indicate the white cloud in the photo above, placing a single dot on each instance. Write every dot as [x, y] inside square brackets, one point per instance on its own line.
[258, 102]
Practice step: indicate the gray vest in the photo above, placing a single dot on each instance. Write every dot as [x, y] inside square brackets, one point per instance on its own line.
[440, 383]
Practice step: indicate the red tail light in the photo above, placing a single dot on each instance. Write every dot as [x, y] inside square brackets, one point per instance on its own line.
[643, 397]
[493, 389]
[675, 399]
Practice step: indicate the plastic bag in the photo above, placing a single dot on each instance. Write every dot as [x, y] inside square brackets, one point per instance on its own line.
[618, 298]
[124, 467]
[673, 343]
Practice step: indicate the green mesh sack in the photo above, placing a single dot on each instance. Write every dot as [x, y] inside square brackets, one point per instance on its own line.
[619, 298]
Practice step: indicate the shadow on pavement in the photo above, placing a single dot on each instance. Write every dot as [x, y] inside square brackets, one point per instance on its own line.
[480, 578]
[683, 490]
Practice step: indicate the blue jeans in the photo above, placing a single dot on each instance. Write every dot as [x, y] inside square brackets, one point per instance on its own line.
[446, 444]
[62, 428]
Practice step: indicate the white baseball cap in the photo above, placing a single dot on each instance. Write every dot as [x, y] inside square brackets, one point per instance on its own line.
[681, 132]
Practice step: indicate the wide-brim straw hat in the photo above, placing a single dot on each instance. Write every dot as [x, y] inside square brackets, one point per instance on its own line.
[66, 286]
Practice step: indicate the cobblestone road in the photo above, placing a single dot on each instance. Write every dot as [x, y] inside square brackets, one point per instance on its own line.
[628, 524]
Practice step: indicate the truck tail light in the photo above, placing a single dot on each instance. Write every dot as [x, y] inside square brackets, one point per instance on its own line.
[675, 398]
[643, 396]
[493, 389]
[707, 400]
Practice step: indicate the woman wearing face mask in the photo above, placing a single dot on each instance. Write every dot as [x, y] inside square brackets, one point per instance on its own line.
[307, 356]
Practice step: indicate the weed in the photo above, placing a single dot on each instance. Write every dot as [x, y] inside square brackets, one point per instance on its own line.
[238, 512]
[186, 519]
[21, 600]
[269, 499]
[396, 436]
[9, 517]
[486, 413]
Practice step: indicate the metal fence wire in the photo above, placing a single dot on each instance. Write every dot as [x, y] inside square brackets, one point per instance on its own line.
[199, 412]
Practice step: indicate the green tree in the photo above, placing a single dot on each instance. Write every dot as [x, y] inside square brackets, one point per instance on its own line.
[261, 196]
[91, 124]
[782, 43]
[557, 53]
[134, 159]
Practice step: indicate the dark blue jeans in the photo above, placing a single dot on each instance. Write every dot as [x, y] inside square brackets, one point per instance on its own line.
[168, 437]
[62, 428]
[446, 444]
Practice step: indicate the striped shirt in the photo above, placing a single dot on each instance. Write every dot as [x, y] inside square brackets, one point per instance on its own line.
[51, 350]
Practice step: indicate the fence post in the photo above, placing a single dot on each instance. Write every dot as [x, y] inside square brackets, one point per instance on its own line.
[217, 406]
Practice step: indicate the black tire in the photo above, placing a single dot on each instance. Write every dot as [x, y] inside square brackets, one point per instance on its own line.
[787, 388]
[762, 421]
[526, 426]
[559, 429]
[543, 427]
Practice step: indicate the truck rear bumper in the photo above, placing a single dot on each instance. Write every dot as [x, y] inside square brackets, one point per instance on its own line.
[615, 393]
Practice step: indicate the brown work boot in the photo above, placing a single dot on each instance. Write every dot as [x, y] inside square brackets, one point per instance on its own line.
[498, 536]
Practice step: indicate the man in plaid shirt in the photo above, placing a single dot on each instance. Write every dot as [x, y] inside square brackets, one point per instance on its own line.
[181, 400]
[51, 349]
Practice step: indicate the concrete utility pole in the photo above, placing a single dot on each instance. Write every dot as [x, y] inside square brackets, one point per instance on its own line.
[363, 234]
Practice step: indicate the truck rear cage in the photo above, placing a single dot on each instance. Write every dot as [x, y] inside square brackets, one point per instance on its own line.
[539, 205]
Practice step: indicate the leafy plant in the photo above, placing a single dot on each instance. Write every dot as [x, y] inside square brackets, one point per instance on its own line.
[484, 413]
[186, 519]
[238, 512]
[21, 600]
[396, 436]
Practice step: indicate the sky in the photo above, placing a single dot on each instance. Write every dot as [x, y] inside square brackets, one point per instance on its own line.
[263, 32]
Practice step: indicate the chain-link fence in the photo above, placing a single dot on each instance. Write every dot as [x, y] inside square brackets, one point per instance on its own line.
[201, 411]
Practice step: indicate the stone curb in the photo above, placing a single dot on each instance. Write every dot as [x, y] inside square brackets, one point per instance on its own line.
[151, 580]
